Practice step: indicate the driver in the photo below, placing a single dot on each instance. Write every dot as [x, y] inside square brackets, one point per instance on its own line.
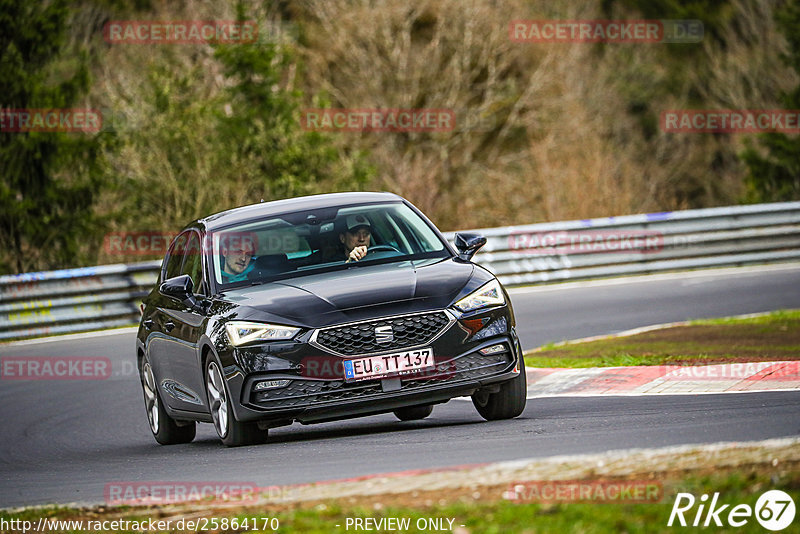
[356, 237]
[237, 253]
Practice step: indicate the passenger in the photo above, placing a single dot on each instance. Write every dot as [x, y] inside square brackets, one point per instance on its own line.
[238, 258]
[356, 237]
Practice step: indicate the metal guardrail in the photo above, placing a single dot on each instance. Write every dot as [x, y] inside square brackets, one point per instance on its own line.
[75, 300]
[613, 246]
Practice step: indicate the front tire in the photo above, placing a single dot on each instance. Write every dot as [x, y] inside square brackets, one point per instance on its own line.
[413, 413]
[232, 432]
[507, 403]
[164, 428]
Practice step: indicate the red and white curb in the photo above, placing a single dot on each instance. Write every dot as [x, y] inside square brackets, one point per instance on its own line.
[664, 379]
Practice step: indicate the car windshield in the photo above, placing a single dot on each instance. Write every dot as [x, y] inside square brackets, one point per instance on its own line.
[309, 242]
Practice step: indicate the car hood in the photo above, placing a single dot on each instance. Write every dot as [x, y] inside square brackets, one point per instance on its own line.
[361, 292]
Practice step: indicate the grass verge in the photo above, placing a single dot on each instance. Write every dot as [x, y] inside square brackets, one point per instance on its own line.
[479, 510]
[769, 337]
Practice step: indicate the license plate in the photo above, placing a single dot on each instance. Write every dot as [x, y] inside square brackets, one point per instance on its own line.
[399, 363]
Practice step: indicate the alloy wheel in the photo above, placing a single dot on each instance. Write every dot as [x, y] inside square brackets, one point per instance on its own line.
[217, 399]
[150, 397]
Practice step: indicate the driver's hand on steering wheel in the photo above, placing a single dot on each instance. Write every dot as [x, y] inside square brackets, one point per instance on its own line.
[357, 253]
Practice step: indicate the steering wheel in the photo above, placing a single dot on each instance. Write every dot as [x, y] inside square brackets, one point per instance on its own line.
[382, 248]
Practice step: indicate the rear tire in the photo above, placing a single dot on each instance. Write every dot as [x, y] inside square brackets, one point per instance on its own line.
[507, 403]
[232, 432]
[413, 413]
[164, 428]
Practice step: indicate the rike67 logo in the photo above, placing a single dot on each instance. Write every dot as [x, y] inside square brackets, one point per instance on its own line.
[774, 510]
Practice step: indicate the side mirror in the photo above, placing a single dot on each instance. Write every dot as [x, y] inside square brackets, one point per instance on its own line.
[468, 244]
[180, 288]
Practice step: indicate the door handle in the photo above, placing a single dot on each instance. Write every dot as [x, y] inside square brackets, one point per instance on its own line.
[148, 323]
[168, 326]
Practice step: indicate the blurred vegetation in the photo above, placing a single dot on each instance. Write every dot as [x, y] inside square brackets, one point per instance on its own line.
[544, 131]
[49, 180]
[206, 128]
[774, 171]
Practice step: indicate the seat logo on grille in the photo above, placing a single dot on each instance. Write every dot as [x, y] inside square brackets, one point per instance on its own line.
[384, 334]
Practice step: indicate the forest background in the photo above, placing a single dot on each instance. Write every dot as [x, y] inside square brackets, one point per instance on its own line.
[544, 131]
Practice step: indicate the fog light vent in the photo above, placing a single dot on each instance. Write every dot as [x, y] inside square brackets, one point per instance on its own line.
[493, 349]
[270, 384]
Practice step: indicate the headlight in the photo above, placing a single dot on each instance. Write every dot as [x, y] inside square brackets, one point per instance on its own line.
[487, 295]
[240, 332]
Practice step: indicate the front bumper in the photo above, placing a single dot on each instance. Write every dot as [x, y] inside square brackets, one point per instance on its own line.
[310, 399]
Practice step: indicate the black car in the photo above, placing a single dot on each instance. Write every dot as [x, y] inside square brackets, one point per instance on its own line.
[262, 316]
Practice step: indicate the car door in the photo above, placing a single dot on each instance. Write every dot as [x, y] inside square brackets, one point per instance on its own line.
[182, 328]
[159, 324]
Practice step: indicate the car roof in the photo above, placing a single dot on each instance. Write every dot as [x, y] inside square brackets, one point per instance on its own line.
[277, 207]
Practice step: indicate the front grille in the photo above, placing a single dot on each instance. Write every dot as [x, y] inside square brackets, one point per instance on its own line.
[360, 338]
[308, 393]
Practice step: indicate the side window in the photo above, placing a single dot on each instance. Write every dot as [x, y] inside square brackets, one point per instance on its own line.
[175, 256]
[192, 263]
